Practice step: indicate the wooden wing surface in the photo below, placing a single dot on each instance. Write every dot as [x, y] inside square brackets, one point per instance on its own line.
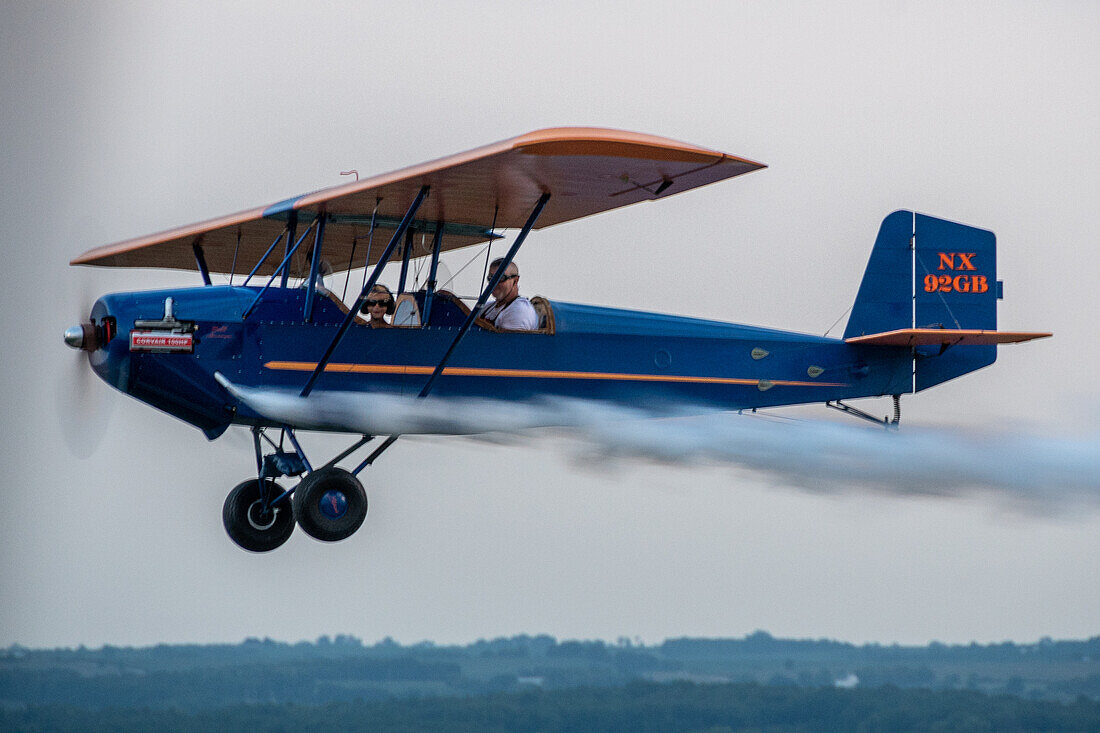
[585, 171]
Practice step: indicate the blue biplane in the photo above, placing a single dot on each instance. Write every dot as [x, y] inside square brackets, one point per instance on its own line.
[925, 313]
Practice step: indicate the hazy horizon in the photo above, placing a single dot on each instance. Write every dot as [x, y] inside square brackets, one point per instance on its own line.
[621, 641]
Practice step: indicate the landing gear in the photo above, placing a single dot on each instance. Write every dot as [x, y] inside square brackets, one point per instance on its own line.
[330, 504]
[254, 524]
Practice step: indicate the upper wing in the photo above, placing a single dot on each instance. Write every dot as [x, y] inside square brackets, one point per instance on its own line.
[585, 170]
[944, 336]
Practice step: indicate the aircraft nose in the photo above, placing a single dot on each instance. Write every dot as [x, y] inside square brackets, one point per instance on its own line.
[82, 337]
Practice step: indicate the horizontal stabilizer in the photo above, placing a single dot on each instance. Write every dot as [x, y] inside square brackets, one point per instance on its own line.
[944, 337]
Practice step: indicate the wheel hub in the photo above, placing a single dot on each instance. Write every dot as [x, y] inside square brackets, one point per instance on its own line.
[333, 504]
[260, 519]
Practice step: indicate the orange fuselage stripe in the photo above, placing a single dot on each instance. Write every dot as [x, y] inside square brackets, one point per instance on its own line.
[305, 366]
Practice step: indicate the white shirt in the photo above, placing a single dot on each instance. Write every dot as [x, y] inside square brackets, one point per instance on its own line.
[519, 315]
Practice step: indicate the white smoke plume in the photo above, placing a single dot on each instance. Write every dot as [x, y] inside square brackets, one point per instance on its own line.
[1032, 472]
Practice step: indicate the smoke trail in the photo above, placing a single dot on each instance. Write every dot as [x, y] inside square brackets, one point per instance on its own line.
[1036, 473]
[1031, 472]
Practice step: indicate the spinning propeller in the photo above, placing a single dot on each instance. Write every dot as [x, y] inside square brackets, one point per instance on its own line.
[84, 401]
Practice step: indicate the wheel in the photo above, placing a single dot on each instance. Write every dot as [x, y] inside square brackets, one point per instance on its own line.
[246, 523]
[330, 504]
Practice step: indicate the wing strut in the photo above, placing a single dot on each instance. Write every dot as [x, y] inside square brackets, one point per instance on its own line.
[292, 229]
[200, 260]
[489, 288]
[350, 317]
[437, 241]
[314, 267]
[405, 254]
[262, 259]
[284, 266]
[474, 313]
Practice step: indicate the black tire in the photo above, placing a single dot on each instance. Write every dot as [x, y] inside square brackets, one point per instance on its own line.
[330, 504]
[247, 527]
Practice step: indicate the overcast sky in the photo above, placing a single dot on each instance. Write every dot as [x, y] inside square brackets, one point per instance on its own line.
[121, 119]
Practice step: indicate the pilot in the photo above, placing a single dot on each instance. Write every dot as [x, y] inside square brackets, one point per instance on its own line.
[510, 310]
[378, 305]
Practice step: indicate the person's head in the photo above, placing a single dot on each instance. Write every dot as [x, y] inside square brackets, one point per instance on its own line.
[508, 287]
[379, 302]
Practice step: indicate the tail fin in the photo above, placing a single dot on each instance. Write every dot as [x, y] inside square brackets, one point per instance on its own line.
[928, 273]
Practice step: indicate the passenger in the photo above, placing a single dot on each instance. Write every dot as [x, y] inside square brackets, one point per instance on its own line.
[510, 310]
[379, 304]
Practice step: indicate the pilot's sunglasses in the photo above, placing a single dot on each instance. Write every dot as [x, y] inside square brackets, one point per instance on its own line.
[506, 277]
[374, 303]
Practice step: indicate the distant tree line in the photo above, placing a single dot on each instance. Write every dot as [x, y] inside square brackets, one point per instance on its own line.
[341, 669]
[639, 707]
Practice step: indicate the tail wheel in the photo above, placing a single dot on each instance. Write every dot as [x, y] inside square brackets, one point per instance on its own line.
[330, 504]
[249, 525]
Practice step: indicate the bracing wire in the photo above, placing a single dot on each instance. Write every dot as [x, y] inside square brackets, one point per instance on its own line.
[830, 328]
[489, 249]
[370, 241]
[942, 299]
[351, 261]
[233, 268]
[418, 265]
[460, 270]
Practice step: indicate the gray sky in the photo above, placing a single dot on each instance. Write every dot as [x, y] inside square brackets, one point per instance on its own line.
[120, 120]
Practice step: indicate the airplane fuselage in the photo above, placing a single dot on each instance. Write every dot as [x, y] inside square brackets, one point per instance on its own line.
[628, 357]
